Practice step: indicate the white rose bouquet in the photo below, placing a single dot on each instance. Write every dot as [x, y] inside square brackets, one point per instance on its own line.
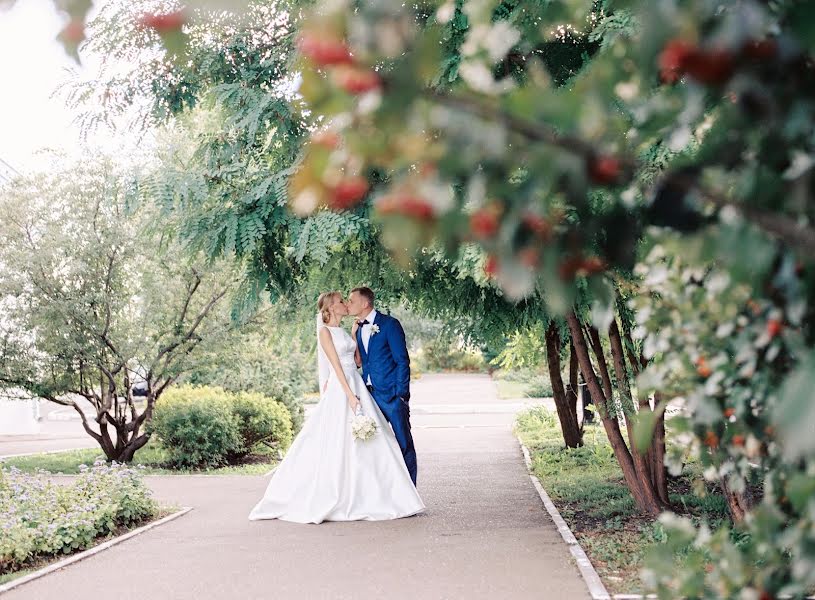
[363, 427]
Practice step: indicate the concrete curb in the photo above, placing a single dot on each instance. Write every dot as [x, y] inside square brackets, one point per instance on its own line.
[597, 590]
[90, 551]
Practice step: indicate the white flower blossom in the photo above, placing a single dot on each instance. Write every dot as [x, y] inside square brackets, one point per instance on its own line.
[363, 428]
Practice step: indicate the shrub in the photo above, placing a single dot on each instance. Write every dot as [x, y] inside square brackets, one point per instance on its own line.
[261, 420]
[257, 379]
[39, 518]
[196, 427]
[441, 356]
[539, 387]
[202, 427]
[274, 358]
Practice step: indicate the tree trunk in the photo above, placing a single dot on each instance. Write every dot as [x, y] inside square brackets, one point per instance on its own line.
[572, 435]
[128, 440]
[645, 502]
[657, 454]
[129, 451]
[738, 503]
[602, 365]
[642, 464]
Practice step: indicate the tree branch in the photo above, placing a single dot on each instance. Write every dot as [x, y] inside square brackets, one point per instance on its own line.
[531, 130]
[784, 227]
[191, 331]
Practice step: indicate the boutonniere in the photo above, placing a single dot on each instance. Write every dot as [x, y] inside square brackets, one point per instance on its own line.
[374, 329]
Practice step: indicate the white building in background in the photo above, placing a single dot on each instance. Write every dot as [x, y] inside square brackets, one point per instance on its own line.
[19, 417]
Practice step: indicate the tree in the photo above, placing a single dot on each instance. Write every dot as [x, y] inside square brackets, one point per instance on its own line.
[96, 301]
[239, 78]
[274, 356]
[522, 187]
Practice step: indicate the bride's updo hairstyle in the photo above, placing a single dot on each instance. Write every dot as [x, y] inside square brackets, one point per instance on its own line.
[325, 300]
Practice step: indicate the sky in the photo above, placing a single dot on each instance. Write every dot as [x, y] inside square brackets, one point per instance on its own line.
[32, 64]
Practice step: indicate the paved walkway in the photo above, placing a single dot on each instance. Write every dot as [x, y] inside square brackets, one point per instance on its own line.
[60, 429]
[484, 535]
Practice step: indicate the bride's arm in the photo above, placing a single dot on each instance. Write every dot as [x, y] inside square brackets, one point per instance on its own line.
[357, 355]
[331, 353]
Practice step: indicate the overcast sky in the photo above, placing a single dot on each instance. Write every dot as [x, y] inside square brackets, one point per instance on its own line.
[32, 64]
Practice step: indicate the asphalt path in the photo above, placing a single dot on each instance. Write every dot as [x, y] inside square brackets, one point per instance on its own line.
[485, 533]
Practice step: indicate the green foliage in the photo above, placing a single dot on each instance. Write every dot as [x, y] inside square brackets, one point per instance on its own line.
[197, 428]
[733, 365]
[40, 518]
[231, 139]
[274, 357]
[111, 300]
[524, 349]
[205, 427]
[586, 485]
[442, 355]
[261, 420]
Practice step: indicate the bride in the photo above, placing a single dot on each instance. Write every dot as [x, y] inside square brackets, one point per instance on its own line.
[327, 475]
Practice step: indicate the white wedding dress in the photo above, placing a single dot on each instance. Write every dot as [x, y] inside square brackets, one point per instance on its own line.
[327, 475]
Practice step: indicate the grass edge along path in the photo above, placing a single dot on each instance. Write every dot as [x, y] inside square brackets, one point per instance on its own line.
[150, 457]
[587, 487]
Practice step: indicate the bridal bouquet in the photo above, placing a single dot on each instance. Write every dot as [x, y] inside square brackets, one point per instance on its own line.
[362, 428]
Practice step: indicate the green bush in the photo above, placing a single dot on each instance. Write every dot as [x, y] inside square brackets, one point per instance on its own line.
[202, 427]
[536, 418]
[255, 379]
[444, 356]
[539, 387]
[261, 420]
[274, 358]
[196, 427]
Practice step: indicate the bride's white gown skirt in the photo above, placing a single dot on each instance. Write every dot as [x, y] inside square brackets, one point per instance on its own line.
[328, 476]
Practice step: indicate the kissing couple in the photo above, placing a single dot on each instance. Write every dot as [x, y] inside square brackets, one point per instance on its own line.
[327, 474]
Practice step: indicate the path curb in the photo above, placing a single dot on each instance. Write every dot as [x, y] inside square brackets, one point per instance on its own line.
[91, 551]
[597, 590]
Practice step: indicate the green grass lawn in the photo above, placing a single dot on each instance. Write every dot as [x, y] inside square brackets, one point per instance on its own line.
[152, 457]
[587, 487]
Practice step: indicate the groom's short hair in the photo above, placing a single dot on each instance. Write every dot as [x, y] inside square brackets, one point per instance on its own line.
[366, 293]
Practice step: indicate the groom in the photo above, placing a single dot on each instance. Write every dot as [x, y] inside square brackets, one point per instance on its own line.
[385, 367]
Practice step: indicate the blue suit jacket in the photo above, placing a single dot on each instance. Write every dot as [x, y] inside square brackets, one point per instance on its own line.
[386, 360]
